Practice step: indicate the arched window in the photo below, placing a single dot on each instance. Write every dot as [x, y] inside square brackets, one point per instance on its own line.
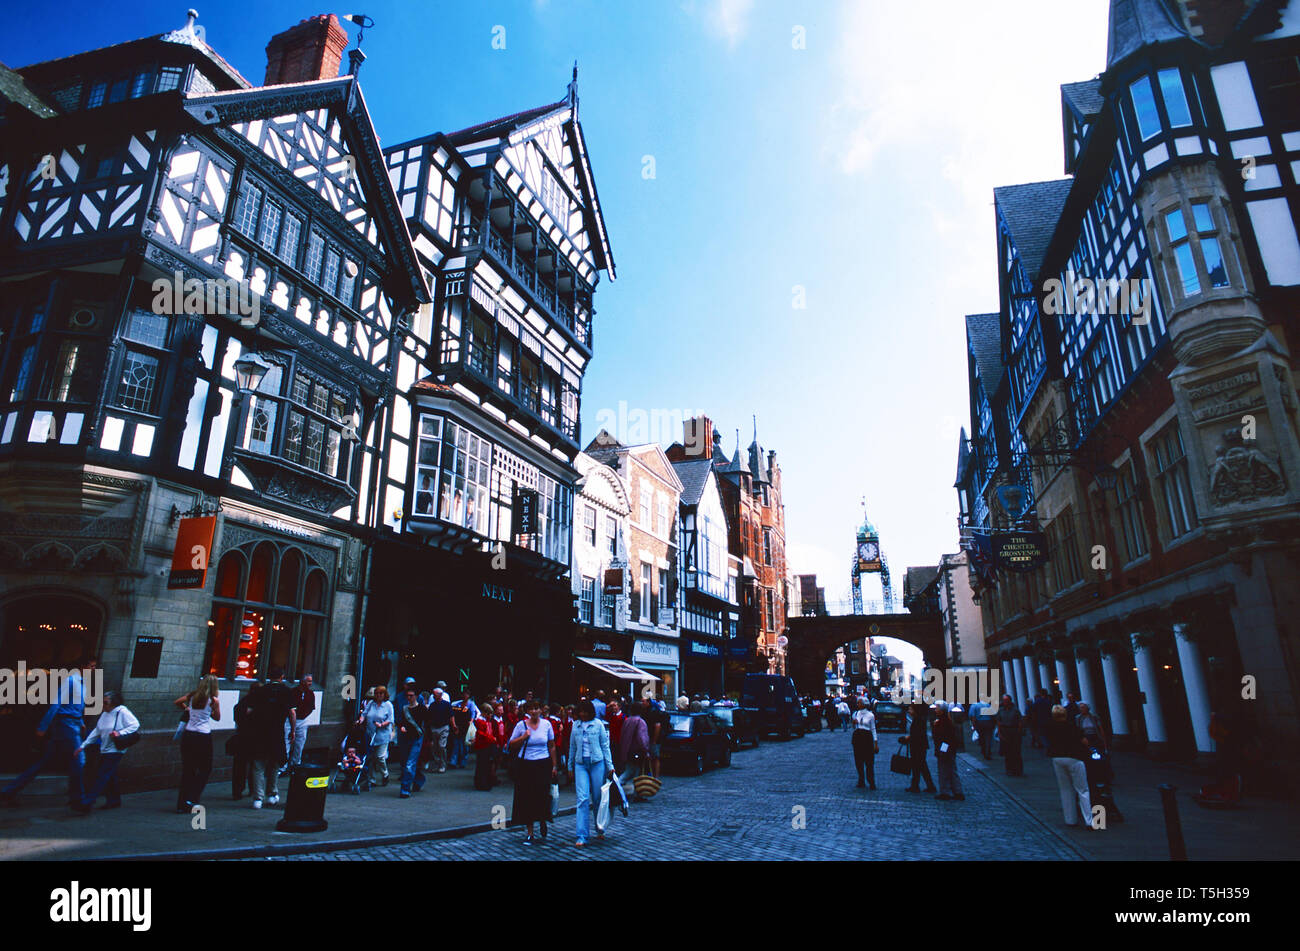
[268, 612]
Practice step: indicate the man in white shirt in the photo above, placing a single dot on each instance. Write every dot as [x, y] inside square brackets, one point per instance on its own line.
[842, 708]
[865, 743]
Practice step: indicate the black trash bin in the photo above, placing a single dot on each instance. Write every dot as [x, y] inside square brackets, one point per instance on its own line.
[304, 811]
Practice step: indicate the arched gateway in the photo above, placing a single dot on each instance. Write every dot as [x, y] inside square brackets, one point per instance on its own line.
[812, 639]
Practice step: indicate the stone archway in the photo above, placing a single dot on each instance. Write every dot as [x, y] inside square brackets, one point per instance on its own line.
[813, 639]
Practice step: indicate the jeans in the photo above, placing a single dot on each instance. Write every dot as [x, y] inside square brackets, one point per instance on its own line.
[106, 781]
[61, 742]
[949, 781]
[265, 772]
[1072, 783]
[587, 780]
[196, 766]
[458, 755]
[438, 747]
[864, 756]
[295, 738]
[408, 751]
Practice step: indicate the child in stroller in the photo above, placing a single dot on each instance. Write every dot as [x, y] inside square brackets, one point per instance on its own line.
[353, 772]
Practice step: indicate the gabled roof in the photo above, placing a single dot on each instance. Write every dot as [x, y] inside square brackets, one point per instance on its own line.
[1085, 98]
[1031, 212]
[343, 95]
[591, 468]
[1135, 24]
[694, 476]
[984, 340]
[511, 125]
[918, 579]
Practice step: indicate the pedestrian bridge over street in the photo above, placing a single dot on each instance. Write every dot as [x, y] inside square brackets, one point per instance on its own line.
[812, 639]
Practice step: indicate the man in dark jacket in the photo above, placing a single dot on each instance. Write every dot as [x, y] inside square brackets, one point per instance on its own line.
[1040, 715]
[945, 752]
[410, 740]
[918, 743]
[267, 705]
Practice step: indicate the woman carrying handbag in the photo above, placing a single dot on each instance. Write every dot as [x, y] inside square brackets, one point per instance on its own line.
[203, 706]
[532, 745]
[115, 732]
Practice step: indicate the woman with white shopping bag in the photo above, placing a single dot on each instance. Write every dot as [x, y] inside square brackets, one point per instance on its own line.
[592, 764]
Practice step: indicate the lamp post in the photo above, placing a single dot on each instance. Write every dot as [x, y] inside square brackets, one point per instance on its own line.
[250, 369]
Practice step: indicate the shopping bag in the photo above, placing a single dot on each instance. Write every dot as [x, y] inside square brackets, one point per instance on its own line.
[901, 763]
[602, 811]
[555, 800]
[180, 729]
[622, 796]
[471, 731]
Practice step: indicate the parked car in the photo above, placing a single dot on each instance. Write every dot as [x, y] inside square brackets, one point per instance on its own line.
[774, 704]
[695, 740]
[736, 723]
[890, 716]
[812, 715]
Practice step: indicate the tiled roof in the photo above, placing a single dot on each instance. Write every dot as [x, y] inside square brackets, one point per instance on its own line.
[13, 88]
[1138, 23]
[918, 579]
[1031, 212]
[694, 475]
[1085, 97]
[983, 337]
[497, 127]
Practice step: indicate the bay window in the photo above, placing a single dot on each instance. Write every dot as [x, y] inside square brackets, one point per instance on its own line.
[311, 414]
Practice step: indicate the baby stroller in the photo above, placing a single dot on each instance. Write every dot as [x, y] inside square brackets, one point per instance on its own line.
[1100, 776]
[353, 777]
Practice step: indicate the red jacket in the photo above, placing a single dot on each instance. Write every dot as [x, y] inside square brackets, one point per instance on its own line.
[616, 728]
[488, 733]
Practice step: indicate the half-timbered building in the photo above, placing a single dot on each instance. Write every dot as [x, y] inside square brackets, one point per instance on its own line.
[205, 286]
[479, 482]
[1135, 397]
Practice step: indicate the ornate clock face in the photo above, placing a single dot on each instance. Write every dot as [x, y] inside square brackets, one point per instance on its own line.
[868, 551]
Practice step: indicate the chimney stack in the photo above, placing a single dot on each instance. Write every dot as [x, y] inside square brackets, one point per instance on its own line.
[309, 51]
[698, 438]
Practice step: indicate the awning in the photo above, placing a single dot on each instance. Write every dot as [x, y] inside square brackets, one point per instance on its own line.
[617, 668]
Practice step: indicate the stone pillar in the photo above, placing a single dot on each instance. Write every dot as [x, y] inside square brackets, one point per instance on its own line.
[1194, 682]
[1019, 665]
[1083, 668]
[1065, 682]
[1152, 712]
[1008, 682]
[1110, 672]
[1045, 677]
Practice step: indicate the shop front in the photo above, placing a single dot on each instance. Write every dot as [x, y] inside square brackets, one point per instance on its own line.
[437, 615]
[703, 665]
[663, 659]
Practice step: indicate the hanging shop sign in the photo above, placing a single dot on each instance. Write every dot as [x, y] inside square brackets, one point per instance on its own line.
[1015, 500]
[525, 512]
[613, 581]
[192, 552]
[1019, 551]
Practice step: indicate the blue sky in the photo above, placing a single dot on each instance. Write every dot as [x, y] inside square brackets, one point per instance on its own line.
[856, 171]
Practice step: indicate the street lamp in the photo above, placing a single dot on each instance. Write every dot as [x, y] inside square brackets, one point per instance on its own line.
[249, 371]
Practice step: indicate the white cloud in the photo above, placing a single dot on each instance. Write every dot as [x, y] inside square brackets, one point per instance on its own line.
[727, 19]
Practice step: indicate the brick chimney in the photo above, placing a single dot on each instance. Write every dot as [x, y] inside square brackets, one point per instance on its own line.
[698, 438]
[311, 50]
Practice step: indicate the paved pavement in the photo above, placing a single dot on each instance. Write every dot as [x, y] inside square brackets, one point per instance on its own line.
[792, 800]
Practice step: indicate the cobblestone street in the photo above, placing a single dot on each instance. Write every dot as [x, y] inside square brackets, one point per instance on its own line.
[753, 810]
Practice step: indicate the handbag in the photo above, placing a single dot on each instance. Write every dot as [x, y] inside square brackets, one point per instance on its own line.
[126, 740]
[901, 763]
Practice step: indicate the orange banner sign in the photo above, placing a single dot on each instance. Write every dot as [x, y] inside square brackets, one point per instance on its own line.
[192, 553]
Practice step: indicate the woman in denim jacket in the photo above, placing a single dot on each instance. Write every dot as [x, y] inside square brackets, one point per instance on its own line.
[591, 762]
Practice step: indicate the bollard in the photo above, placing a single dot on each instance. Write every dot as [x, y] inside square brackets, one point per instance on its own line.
[305, 809]
[1173, 826]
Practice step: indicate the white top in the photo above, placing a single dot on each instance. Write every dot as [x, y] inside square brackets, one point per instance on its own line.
[200, 720]
[118, 720]
[535, 747]
[864, 719]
